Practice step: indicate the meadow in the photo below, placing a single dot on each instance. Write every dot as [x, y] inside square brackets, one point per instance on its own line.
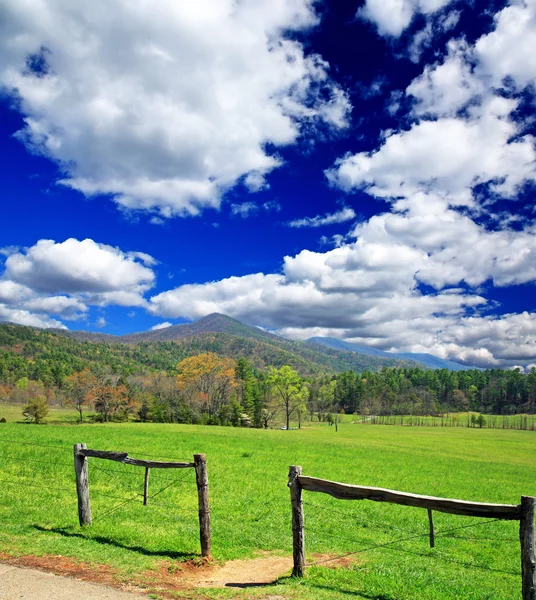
[473, 559]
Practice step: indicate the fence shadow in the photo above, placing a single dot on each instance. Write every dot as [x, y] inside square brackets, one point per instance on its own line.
[111, 542]
[355, 594]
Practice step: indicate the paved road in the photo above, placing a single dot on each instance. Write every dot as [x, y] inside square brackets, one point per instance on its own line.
[18, 583]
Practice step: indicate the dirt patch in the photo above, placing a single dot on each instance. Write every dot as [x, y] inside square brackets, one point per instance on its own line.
[178, 576]
[246, 573]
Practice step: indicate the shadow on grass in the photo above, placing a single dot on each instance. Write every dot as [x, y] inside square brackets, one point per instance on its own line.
[111, 542]
[354, 593]
[250, 585]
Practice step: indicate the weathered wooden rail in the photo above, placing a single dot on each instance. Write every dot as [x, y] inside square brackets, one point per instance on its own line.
[82, 453]
[524, 513]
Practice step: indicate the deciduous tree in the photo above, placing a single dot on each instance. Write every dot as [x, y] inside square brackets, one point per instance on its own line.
[289, 389]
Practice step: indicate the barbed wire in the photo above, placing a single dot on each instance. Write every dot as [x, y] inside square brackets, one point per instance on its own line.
[24, 443]
[32, 460]
[26, 484]
[398, 541]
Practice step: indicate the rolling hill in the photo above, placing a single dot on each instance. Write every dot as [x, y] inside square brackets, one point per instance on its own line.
[55, 353]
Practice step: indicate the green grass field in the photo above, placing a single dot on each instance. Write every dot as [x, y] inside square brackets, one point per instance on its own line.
[251, 509]
[13, 414]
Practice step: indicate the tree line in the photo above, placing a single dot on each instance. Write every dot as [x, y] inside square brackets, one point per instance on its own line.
[211, 389]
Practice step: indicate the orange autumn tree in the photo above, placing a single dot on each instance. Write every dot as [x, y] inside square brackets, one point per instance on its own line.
[81, 387]
[207, 381]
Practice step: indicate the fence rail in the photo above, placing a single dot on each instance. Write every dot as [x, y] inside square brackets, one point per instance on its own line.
[524, 513]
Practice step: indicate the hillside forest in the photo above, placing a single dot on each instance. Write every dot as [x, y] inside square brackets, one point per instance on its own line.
[189, 383]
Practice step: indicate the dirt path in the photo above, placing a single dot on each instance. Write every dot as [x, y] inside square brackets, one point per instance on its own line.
[20, 580]
[21, 583]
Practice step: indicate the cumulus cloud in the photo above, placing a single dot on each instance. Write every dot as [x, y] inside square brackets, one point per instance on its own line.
[162, 105]
[449, 156]
[369, 290]
[64, 278]
[508, 51]
[392, 17]
[465, 133]
[341, 216]
[77, 266]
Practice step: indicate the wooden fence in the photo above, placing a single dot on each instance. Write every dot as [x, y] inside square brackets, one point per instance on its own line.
[524, 513]
[82, 453]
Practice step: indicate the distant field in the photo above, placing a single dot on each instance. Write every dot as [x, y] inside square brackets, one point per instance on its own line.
[251, 509]
[13, 414]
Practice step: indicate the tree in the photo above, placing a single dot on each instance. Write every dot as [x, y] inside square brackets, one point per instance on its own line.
[289, 389]
[36, 410]
[113, 403]
[81, 388]
[208, 381]
[326, 399]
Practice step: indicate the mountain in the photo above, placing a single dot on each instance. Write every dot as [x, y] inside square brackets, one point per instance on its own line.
[213, 323]
[428, 360]
[44, 354]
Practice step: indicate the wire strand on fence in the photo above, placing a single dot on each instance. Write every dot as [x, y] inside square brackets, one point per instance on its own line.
[11, 482]
[400, 540]
[116, 508]
[116, 479]
[32, 460]
[176, 481]
[34, 444]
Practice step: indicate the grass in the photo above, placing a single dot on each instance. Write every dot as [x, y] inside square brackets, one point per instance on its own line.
[251, 509]
[13, 414]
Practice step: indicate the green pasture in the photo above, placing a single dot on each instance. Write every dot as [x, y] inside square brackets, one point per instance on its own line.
[13, 414]
[250, 505]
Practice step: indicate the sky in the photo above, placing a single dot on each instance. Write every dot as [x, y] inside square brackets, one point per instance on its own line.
[360, 169]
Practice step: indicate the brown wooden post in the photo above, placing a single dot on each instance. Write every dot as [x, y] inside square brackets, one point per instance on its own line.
[526, 537]
[432, 532]
[146, 486]
[201, 476]
[82, 485]
[298, 521]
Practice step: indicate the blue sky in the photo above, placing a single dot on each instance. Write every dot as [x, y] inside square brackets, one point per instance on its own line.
[363, 170]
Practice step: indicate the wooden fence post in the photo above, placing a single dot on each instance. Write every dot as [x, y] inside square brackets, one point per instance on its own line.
[201, 477]
[82, 485]
[146, 486]
[298, 521]
[432, 532]
[526, 537]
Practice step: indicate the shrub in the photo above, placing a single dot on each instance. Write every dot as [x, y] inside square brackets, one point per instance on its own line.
[36, 410]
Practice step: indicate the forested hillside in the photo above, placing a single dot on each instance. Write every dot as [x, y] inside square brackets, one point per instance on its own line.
[222, 378]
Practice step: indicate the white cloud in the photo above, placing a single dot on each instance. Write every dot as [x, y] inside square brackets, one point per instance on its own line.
[448, 156]
[443, 89]
[369, 290]
[457, 151]
[62, 306]
[272, 205]
[508, 51]
[341, 216]
[62, 279]
[100, 322]
[77, 266]
[434, 27]
[244, 210]
[164, 105]
[164, 325]
[24, 317]
[392, 17]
